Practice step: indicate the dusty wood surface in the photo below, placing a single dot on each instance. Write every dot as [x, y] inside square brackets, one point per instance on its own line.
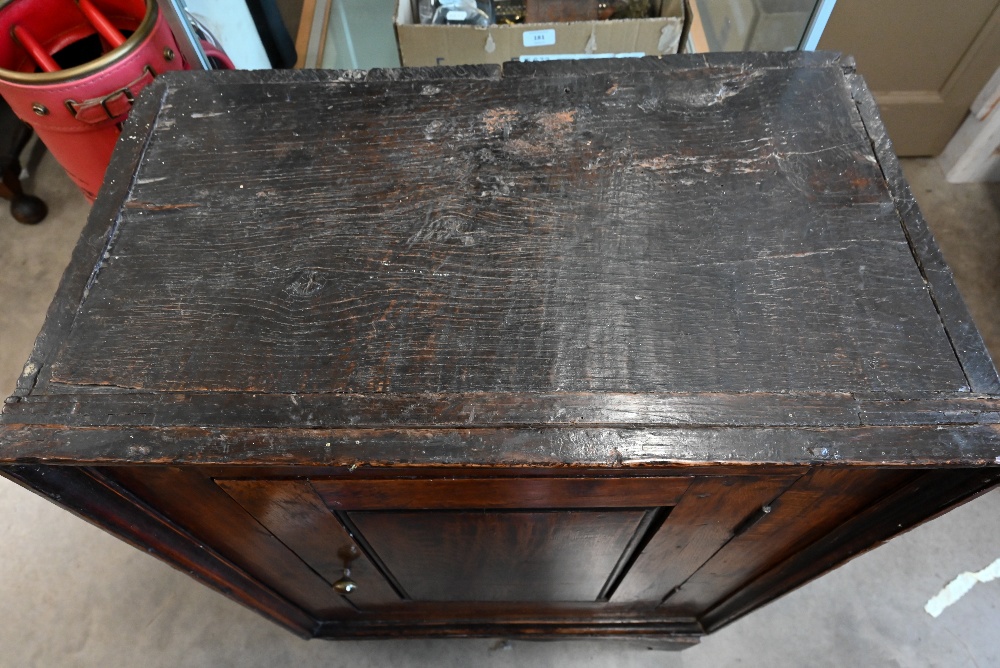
[605, 348]
[952, 445]
[634, 257]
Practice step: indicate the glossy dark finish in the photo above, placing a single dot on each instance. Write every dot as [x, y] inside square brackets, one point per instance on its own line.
[827, 497]
[193, 501]
[456, 494]
[532, 556]
[656, 634]
[292, 511]
[968, 443]
[617, 349]
[702, 523]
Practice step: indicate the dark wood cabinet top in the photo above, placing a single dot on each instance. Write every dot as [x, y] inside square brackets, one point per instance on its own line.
[699, 258]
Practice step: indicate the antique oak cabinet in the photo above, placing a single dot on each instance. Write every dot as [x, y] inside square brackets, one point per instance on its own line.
[611, 348]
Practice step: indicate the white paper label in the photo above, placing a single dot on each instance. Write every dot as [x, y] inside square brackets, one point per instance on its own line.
[539, 37]
[456, 15]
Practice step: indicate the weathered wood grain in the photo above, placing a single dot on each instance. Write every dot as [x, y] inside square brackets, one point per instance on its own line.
[973, 410]
[755, 409]
[538, 341]
[555, 472]
[965, 338]
[339, 494]
[97, 236]
[558, 209]
[941, 445]
[540, 245]
[232, 409]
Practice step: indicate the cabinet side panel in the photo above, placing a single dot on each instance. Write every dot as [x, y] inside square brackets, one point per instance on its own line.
[196, 503]
[701, 523]
[929, 495]
[811, 508]
[96, 497]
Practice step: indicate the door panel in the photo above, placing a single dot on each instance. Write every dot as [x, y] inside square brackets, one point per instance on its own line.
[546, 556]
[703, 521]
[553, 543]
[814, 506]
[924, 61]
[291, 511]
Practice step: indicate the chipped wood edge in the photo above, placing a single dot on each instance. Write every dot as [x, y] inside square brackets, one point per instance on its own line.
[611, 448]
[495, 410]
[309, 76]
[968, 345]
[98, 234]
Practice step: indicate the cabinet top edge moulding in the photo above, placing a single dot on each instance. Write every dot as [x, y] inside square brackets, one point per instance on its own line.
[628, 262]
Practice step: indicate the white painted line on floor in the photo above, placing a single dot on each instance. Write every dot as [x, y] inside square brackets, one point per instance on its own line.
[959, 587]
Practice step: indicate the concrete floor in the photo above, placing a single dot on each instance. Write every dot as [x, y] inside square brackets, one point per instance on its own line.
[71, 595]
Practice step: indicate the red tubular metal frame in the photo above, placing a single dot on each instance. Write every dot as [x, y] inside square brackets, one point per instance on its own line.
[105, 28]
[35, 49]
[101, 24]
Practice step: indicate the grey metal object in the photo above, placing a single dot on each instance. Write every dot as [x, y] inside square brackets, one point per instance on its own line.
[175, 12]
[817, 24]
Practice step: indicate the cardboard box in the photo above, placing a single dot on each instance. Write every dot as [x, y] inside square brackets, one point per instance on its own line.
[427, 45]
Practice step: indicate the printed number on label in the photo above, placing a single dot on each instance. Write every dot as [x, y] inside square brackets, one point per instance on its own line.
[539, 37]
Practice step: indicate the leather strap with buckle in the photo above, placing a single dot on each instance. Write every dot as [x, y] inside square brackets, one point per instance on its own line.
[113, 105]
